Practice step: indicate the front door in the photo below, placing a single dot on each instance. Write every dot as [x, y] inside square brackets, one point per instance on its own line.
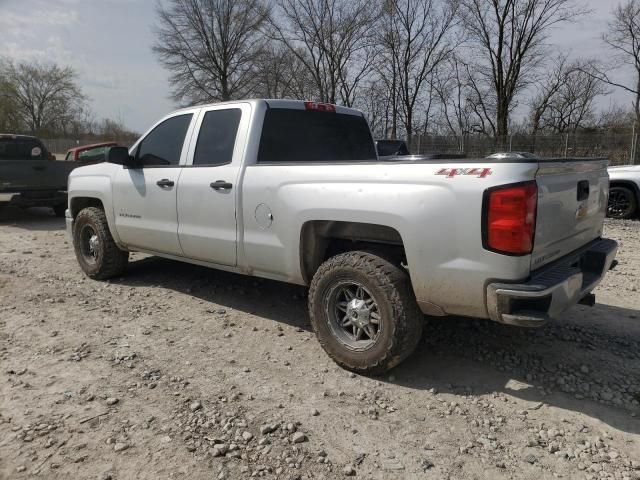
[208, 186]
[144, 198]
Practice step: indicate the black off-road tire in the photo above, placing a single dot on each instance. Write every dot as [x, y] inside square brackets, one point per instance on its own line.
[59, 210]
[400, 315]
[628, 206]
[109, 260]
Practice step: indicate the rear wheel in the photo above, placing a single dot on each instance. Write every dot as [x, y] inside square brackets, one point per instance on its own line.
[364, 312]
[96, 251]
[622, 203]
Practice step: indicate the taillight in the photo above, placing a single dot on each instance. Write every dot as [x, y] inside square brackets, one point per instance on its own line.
[510, 218]
[323, 107]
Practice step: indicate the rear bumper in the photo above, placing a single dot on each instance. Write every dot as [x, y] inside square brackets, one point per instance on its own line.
[552, 289]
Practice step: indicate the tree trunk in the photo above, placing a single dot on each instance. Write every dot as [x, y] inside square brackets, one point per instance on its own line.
[394, 108]
[502, 123]
[409, 127]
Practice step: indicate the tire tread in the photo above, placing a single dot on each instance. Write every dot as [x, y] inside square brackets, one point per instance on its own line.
[114, 260]
[407, 327]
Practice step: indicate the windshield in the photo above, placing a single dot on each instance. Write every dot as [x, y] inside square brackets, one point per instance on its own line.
[21, 148]
[391, 147]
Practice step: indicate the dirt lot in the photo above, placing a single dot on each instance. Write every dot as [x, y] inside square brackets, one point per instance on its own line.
[177, 371]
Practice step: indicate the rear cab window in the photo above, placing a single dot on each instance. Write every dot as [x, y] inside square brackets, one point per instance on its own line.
[301, 136]
[22, 148]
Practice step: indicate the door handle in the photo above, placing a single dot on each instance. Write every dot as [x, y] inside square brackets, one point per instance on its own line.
[221, 185]
[583, 190]
[165, 182]
[39, 167]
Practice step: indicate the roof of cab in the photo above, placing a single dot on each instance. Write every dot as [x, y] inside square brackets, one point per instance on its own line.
[277, 103]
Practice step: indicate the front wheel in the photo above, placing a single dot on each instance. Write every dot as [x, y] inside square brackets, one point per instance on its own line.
[622, 203]
[96, 251]
[364, 312]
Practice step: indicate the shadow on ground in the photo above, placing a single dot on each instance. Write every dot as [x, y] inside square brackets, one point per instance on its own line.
[593, 372]
[33, 219]
[459, 355]
[270, 299]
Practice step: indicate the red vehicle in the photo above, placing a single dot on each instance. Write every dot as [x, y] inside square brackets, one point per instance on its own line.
[88, 154]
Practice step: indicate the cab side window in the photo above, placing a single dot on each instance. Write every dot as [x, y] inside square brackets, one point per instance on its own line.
[217, 137]
[163, 145]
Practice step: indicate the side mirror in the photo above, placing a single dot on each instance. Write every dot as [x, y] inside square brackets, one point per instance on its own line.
[120, 156]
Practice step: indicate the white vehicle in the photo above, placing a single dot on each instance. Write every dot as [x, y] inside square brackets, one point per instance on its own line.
[294, 191]
[624, 192]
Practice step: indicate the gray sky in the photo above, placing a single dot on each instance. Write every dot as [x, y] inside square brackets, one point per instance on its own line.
[109, 43]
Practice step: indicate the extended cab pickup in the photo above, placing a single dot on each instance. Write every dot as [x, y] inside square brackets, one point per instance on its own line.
[30, 176]
[294, 191]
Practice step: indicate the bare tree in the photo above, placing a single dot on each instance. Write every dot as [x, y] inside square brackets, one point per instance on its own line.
[482, 99]
[616, 119]
[549, 86]
[115, 129]
[333, 39]
[387, 68]
[280, 74]
[42, 97]
[457, 110]
[416, 39]
[566, 99]
[623, 37]
[510, 36]
[376, 104]
[9, 121]
[210, 47]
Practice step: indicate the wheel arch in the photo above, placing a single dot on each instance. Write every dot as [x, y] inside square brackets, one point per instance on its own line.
[633, 186]
[76, 204]
[86, 199]
[321, 239]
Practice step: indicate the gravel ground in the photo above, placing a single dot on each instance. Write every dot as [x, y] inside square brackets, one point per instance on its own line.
[177, 371]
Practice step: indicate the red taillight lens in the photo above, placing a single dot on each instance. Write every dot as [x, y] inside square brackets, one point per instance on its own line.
[511, 218]
[323, 107]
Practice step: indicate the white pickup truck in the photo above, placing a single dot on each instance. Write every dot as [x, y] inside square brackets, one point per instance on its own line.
[294, 191]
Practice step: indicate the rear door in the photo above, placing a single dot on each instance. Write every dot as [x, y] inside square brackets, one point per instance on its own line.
[209, 187]
[144, 198]
[572, 203]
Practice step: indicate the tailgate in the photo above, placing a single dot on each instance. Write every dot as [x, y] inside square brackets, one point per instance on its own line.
[24, 175]
[572, 202]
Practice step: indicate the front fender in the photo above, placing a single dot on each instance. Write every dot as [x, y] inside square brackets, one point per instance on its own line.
[96, 187]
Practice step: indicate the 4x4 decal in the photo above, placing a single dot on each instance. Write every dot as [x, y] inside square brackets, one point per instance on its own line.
[452, 172]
